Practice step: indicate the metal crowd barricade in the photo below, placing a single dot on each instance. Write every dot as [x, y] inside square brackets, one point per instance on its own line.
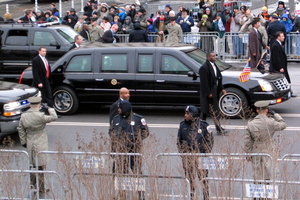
[131, 185]
[123, 38]
[15, 184]
[233, 188]
[67, 163]
[219, 165]
[14, 159]
[235, 47]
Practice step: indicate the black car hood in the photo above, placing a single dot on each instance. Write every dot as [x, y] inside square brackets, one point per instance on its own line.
[14, 91]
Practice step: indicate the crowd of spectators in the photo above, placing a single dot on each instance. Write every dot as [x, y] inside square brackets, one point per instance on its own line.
[134, 20]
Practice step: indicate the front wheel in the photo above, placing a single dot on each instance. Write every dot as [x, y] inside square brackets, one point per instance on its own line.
[234, 103]
[65, 100]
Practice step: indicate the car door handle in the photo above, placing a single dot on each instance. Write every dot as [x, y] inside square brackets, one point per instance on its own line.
[160, 81]
[99, 79]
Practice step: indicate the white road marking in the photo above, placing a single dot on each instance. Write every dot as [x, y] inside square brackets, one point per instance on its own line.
[93, 124]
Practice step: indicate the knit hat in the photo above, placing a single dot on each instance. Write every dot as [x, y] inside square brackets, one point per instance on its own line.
[142, 10]
[193, 110]
[219, 14]
[150, 21]
[235, 7]
[125, 106]
[207, 9]
[264, 8]
[168, 6]
[121, 8]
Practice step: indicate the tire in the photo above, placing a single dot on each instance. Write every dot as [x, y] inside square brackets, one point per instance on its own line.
[234, 103]
[65, 100]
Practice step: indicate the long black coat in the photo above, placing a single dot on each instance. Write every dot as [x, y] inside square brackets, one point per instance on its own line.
[209, 84]
[278, 60]
[108, 37]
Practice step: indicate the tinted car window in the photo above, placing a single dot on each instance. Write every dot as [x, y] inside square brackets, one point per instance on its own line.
[67, 34]
[145, 64]
[17, 37]
[80, 63]
[171, 65]
[200, 57]
[114, 63]
[42, 38]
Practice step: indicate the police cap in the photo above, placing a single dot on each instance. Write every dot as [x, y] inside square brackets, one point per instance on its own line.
[35, 100]
[193, 110]
[261, 104]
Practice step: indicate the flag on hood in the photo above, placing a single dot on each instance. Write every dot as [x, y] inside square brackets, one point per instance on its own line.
[245, 75]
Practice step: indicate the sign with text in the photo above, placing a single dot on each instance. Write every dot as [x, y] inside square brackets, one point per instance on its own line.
[85, 161]
[213, 163]
[261, 191]
[130, 184]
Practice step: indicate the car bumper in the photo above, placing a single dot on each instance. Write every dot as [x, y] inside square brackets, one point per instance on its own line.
[273, 97]
[9, 126]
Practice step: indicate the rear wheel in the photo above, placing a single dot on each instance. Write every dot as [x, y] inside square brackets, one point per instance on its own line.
[234, 103]
[65, 100]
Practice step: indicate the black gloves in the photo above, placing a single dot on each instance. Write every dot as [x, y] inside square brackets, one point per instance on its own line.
[272, 112]
[45, 106]
[24, 145]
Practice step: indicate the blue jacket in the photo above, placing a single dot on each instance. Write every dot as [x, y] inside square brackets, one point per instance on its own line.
[287, 24]
[186, 27]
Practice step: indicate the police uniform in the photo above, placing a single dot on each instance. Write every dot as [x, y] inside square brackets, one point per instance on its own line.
[194, 136]
[259, 139]
[33, 135]
[127, 133]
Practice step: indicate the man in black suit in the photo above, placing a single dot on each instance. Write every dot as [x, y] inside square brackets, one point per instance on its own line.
[77, 42]
[109, 36]
[124, 94]
[85, 32]
[210, 88]
[41, 71]
[278, 59]
[273, 28]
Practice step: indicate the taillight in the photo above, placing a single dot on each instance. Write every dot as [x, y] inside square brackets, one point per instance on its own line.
[21, 77]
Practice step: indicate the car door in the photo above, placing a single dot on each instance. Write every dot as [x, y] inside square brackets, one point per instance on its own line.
[144, 77]
[114, 70]
[14, 51]
[173, 86]
[45, 38]
[78, 74]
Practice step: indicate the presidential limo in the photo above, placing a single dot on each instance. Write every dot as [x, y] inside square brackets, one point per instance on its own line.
[156, 74]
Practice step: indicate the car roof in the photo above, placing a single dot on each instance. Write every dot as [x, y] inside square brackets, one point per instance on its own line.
[31, 25]
[139, 45]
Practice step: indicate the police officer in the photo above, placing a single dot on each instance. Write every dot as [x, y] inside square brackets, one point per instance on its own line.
[34, 137]
[127, 132]
[258, 139]
[194, 136]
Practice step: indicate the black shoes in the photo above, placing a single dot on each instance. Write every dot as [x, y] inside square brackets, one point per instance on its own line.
[293, 95]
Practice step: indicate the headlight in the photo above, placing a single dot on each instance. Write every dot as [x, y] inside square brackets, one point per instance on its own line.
[11, 108]
[265, 85]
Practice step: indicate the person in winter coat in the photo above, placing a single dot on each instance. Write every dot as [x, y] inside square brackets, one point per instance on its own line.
[33, 136]
[142, 18]
[259, 139]
[174, 31]
[127, 26]
[122, 14]
[103, 10]
[281, 9]
[206, 43]
[138, 34]
[185, 21]
[218, 24]
[160, 27]
[95, 31]
[194, 136]
[288, 24]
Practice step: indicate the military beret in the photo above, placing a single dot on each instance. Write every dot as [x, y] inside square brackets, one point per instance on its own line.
[35, 100]
[261, 104]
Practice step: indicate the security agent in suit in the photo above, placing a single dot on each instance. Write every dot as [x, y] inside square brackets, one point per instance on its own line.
[194, 136]
[41, 71]
[278, 59]
[109, 36]
[77, 42]
[124, 94]
[210, 89]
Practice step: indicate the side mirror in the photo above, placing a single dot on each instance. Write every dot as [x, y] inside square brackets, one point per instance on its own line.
[55, 43]
[193, 74]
